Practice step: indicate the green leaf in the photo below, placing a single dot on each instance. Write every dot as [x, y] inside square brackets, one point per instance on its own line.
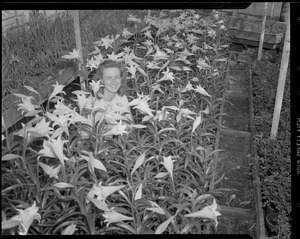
[138, 163]
[20, 95]
[63, 185]
[169, 141]
[202, 197]
[124, 196]
[162, 227]
[161, 175]
[177, 68]
[157, 210]
[31, 89]
[164, 66]
[127, 227]
[10, 157]
[138, 194]
[166, 129]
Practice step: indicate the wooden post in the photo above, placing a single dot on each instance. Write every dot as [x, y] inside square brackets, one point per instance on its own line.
[272, 9]
[262, 33]
[282, 76]
[254, 8]
[78, 41]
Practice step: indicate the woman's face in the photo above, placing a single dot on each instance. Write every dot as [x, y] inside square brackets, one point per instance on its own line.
[112, 79]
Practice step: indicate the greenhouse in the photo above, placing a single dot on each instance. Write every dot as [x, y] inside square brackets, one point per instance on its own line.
[152, 122]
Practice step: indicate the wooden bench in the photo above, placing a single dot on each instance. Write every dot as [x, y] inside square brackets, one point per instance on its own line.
[64, 74]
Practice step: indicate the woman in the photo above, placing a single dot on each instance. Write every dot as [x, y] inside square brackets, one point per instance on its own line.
[110, 105]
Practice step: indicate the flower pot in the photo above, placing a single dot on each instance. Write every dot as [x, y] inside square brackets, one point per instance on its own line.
[271, 221]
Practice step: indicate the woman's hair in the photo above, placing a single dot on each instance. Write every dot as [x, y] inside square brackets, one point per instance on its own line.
[112, 64]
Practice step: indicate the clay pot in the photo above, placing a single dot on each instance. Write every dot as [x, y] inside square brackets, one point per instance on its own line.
[271, 221]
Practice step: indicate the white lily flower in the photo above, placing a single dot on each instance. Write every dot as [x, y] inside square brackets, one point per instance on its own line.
[94, 163]
[99, 58]
[27, 216]
[112, 216]
[130, 56]
[79, 118]
[57, 90]
[132, 70]
[117, 129]
[93, 64]
[26, 105]
[188, 87]
[198, 119]
[72, 55]
[196, 48]
[132, 18]
[126, 50]
[102, 192]
[117, 58]
[167, 76]
[201, 90]
[107, 42]
[143, 106]
[152, 65]
[61, 120]
[148, 44]
[192, 39]
[81, 100]
[201, 64]
[95, 86]
[148, 34]
[207, 212]
[53, 148]
[41, 129]
[126, 33]
[162, 115]
[61, 108]
[159, 55]
[169, 164]
[184, 113]
[211, 33]
[52, 172]
[206, 111]
[196, 123]
[184, 54]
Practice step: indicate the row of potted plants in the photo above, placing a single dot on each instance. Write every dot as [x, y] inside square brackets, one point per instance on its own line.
[273, 154]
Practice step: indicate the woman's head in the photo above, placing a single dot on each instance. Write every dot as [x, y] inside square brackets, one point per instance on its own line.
[113, 76]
